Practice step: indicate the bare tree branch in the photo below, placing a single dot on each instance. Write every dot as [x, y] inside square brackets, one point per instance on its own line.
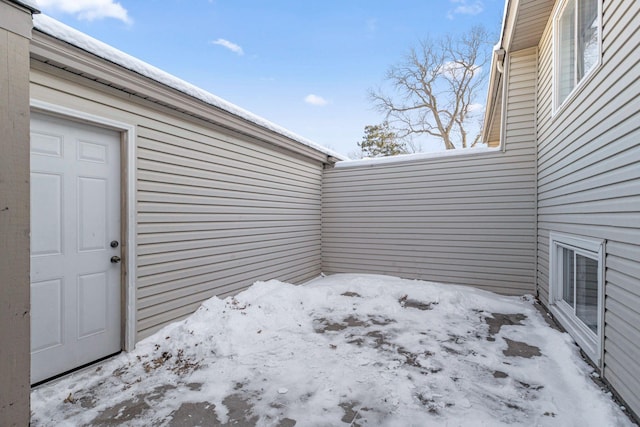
[434, 88]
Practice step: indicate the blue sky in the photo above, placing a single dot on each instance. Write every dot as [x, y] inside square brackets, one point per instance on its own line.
[305, 65]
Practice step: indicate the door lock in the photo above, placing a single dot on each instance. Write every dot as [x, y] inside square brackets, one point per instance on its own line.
[114, 244]
[115, 259]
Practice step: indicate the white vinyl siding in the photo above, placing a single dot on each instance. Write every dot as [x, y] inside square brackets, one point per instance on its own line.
[215, 215]
[466, 219]
[589, 182]
[456, 221]
[216, 210]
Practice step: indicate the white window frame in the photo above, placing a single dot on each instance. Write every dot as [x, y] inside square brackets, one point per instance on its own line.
[591, 343]
[557, 103]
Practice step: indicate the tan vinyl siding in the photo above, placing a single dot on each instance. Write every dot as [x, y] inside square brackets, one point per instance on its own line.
[466, 219]
[234, 215]
[216, 210]
[15, 29]
[589, 181]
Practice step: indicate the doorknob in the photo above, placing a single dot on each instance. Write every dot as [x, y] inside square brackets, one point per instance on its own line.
[115, 259]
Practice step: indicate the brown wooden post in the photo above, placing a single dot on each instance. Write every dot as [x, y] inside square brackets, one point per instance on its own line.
[15, 33]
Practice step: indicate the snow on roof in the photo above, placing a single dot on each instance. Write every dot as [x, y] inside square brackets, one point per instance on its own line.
[56, 29]
[32, 4]
[29, 4]
[413, 157]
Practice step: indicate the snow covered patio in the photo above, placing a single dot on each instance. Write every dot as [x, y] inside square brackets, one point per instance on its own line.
[342, 350]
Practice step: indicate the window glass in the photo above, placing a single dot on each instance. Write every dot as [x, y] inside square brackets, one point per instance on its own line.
[567, 54]
[577, 44]
[567, 276]
[587, 37]
[587, 291]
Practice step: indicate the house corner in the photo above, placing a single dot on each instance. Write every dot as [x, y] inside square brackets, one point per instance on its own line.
[15, 33]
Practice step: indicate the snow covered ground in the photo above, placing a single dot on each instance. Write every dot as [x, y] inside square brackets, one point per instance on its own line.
[342, 350]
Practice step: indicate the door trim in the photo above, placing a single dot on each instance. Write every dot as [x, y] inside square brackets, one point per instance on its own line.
[128, 133]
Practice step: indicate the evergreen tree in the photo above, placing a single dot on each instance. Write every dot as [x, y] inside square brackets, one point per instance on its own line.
[381, 141]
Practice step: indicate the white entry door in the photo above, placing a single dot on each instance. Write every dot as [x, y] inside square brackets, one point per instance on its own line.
[75, 232]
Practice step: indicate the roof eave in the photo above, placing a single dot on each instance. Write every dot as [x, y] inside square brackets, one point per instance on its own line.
[99, 61]
[535, 17]
[30, 5]
[495, 77]
[495, 85]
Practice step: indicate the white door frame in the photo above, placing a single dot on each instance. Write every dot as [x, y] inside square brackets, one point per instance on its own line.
[128, 132]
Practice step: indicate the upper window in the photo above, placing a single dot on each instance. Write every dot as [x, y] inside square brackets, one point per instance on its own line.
[576, 290]
[577, 44]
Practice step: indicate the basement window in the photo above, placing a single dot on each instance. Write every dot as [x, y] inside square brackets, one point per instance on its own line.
[577, 42]
[576, 292]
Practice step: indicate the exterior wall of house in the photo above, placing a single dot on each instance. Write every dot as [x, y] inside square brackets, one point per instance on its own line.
[466, 219]
[216, 209]
[589, 182]
[15, 31]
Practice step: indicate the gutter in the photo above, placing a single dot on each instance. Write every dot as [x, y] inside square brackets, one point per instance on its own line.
[30, 5]
[495, 77]
[497, 72]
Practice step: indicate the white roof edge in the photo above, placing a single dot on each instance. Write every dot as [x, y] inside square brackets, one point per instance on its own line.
[503, 28]
[63, 32]
[403, 158]
[32, 5]
[493, 71]
[492, 87]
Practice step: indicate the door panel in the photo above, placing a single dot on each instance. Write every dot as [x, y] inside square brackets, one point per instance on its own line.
[75, 213]
[46, 220]
[46, 314]
[92, 295]
[92, 221]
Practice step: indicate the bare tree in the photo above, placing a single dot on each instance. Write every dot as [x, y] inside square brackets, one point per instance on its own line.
[435, 88]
